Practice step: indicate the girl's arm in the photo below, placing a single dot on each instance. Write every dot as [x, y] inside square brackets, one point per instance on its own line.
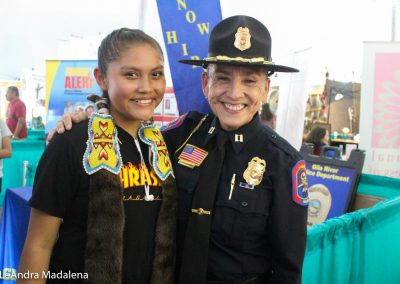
[42, 233]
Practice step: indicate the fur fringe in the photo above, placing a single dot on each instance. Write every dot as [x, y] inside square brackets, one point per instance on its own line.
[105, 227]
[165, 243]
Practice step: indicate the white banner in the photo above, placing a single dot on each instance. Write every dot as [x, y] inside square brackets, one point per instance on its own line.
[292, 101]
[380, 109]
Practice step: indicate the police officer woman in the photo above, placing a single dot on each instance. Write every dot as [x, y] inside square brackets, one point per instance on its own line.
[242, 206]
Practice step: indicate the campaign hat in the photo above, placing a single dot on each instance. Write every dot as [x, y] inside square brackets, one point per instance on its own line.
[240, 40]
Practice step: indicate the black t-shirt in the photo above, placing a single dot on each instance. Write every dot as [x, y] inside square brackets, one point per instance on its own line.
[61, 189]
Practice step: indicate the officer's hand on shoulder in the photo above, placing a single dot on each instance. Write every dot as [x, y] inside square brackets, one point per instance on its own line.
[66, 122]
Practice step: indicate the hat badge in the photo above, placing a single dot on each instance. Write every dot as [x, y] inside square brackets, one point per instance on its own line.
[242, 39]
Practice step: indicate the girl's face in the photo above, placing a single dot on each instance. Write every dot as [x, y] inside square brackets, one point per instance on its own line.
[135, 84]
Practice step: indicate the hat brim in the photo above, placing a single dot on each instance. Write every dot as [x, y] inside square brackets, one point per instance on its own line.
[270, 67]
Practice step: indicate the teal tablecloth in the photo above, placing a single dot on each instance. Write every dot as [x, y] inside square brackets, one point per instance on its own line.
[359, 247]
[30, 150]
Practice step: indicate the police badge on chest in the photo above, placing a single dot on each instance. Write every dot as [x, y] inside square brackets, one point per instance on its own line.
[253, 175]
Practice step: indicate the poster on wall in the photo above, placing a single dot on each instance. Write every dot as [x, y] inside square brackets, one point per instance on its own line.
[380, 108]
[167, 110]
[332, 183]
[68, 82]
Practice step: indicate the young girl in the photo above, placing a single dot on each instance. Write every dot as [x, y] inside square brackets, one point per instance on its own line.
[104, 200]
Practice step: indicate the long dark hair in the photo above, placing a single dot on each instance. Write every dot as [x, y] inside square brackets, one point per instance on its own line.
[316, 135]
[266, 113]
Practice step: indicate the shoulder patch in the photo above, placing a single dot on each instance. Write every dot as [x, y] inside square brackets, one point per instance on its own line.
[300, 184]
[175, 123]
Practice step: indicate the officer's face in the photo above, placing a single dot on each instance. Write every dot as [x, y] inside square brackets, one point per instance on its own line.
[235, 93]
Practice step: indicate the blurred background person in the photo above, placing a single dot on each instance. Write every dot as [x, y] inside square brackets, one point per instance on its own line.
[267, 116]
[319, 137]
[16, 114]
[5, 146]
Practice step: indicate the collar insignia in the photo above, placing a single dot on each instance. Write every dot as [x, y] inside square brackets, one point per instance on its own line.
[238, 137]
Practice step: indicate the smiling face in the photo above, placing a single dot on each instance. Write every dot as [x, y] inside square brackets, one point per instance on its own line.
[135, 84]
[235, 93]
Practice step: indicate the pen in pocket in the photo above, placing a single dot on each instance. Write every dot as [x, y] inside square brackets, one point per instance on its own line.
[232, 186]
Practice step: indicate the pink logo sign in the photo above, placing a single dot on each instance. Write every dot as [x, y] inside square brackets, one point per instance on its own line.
[386, 109]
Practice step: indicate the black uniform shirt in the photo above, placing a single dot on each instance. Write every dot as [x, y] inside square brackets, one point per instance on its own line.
[256, 228]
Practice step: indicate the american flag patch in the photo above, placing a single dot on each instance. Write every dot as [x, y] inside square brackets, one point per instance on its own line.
[192, 156]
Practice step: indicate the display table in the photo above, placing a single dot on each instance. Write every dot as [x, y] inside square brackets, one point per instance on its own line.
[380, 186]
[13, 228]
[344, 143]
[337, 142]
[30, 150]
[359, 247]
